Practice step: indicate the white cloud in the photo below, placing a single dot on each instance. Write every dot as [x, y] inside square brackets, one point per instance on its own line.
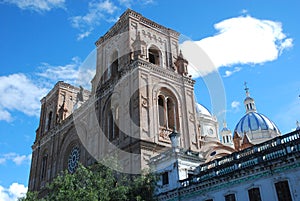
[19, 93]
[2, 160]
[54, 73]
[75, 73]
[235, 104]
[16, 158]
[229, 73]
[97, 11]
[12, 193]
[37, 5]
[242, 40]
[5, 116]
[128, 3]
[84, 77]
[83, 35]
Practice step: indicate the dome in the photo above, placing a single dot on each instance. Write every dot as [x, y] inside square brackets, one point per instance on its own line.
[200, 109]
[254, 121]
[248, 99]
[225, 129]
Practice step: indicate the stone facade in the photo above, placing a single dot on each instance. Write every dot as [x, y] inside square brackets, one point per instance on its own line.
[56, 134]
[141, 92]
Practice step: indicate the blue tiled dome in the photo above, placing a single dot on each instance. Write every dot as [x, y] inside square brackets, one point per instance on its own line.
[253, 121]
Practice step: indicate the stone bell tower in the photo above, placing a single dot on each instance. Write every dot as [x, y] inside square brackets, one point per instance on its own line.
[141, 93]
[56, 113]
[143, 89]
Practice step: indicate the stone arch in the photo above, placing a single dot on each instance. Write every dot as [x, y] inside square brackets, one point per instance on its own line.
[110, 114]
[70, 140]
[113, 63]
[67, 151]
[44, 164]
[154, 55]
[168, 86]
[172, 90]
[49, 120]
[168, 112]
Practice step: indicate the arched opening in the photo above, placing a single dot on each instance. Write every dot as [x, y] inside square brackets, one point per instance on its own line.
[112, 66]
[161, 111]
[167, 110]
[44, 166]
[171, 114]
[154, 55]
[116, 122]
[114, 63]
[49, 120]
[110, 126]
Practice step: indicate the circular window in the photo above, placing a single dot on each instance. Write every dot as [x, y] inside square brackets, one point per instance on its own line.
[73, 160]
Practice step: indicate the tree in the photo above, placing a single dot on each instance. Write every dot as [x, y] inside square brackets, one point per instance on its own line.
[142, 187]
[30, 196]
[98, 183]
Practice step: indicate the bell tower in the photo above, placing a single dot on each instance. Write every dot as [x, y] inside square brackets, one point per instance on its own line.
[143, 93]
[56, 108]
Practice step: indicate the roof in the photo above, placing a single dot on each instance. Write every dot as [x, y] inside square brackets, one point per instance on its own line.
[200, 109]
[253, 121]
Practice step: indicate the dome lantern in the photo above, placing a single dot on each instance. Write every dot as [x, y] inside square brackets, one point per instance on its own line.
[249, 102]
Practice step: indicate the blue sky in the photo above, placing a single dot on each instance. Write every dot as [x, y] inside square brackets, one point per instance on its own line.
[43, 41]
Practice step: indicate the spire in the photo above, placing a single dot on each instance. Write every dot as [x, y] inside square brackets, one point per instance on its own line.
[246, 89]
[225, 129]
[224, 124]
[181, 64]
[249, 102]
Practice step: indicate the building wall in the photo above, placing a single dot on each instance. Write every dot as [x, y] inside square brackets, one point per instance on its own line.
[266, 186]
[260, 166]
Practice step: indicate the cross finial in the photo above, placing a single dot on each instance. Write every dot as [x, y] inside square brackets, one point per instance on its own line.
[246, 89]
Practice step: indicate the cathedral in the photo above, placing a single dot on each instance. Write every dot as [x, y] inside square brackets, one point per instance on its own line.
[142, 110]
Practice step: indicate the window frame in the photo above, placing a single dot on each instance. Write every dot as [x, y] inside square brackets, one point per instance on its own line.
[252, 194]
[287, 196]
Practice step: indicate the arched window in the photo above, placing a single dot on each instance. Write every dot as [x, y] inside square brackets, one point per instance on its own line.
[112, 123]
[161, 111]
[167, 111]
[154, 55]
[112, 68]
[49, 120]
[44, 166]
[116, 122]
[114, 63]
[110, 126]
[171, 113]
